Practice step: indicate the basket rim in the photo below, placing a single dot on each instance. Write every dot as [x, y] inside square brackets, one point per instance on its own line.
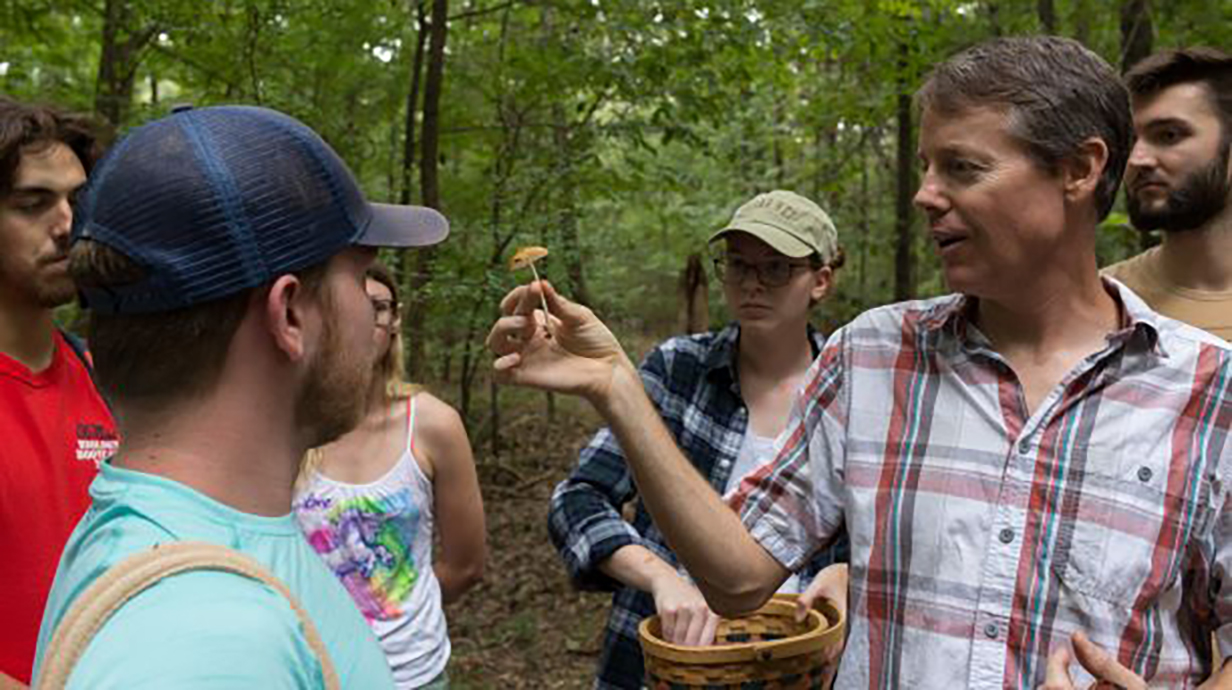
[819, 637]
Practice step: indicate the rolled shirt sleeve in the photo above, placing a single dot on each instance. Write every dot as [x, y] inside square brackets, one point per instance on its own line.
[793, 506]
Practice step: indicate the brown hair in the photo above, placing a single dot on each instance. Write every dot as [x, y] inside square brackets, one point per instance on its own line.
[1207, 66]
[25, 128]
[1055, 92]
[148, 360]
[837, 261]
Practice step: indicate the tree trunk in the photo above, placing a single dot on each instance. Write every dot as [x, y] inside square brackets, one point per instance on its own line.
[904, 256]
[568, 213]
[494, 435]
[694, 310]
[994, 18]
[118, 61]
[1081, 15]
[1137, 34]
[417, 306]
[412, 103]
[1047, 16]
[429, 163]
[865, 227]
[408, 267]
[565, 139]
[776, 146]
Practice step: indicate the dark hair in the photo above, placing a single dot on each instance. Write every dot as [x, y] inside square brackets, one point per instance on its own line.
[1208, 66]
[25, 128]
[837, 261]
[147, 360]
[1056, 93]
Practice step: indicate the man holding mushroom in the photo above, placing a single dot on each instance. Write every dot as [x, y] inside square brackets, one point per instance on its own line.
[1030, 470]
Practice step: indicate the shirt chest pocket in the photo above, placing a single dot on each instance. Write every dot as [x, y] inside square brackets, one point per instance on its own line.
[1123, 535]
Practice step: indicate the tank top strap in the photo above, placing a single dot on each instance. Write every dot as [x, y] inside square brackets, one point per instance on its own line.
[410, 424]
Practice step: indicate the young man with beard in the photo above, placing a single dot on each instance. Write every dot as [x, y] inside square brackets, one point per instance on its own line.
[1029, 471]
[223, 252]
[54, 426]
[1178, 180]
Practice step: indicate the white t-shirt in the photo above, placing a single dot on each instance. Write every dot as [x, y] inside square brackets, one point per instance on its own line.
[756, 451]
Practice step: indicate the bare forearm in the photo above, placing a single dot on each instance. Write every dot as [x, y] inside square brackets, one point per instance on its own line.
[635, 566]
[730, 568]
[456, 579]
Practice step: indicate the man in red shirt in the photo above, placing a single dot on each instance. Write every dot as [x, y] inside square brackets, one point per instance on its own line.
[54, 426]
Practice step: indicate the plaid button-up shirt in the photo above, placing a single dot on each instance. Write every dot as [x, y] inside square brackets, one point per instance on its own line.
[982, 533]
[692, 381]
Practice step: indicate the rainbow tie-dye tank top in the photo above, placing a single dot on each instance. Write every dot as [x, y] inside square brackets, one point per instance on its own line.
[377, 540]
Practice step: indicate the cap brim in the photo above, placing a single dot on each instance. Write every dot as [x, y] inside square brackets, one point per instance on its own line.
[781, 241]
[403, 226]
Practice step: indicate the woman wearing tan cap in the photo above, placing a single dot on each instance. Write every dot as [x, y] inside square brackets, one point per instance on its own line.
[725, 396]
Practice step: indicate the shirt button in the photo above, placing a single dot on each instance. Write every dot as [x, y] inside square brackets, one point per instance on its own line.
[991, 630]
[1024, 446]
[1007, 535]
[1144, 474]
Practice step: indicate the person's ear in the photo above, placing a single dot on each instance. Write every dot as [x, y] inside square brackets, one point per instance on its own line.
[1082, 171]
[286, 312]
[823, 282]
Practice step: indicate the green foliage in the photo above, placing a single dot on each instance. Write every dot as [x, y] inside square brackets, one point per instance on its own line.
[620, 133]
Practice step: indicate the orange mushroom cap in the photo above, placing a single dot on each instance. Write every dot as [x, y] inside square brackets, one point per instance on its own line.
[526, 256]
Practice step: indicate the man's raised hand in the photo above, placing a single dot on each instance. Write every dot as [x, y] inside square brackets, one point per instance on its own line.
[579, 356]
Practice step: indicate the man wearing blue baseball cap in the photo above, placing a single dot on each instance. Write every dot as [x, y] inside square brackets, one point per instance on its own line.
[223, 253]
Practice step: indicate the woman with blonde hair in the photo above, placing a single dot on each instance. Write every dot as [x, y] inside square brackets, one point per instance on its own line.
[372, 502]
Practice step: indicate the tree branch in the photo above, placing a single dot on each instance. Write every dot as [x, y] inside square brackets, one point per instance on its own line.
[484, 10]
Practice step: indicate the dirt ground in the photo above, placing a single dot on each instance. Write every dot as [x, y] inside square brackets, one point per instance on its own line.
[524, 626]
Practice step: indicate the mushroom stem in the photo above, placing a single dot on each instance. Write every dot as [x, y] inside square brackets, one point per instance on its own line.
[547, 322]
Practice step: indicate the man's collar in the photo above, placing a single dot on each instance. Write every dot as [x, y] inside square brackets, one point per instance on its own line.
[1136, 317]
[953, 314]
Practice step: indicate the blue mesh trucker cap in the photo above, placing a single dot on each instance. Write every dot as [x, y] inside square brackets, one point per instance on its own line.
[213, 201]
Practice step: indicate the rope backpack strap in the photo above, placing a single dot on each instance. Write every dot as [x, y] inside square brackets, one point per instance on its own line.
[138, 572]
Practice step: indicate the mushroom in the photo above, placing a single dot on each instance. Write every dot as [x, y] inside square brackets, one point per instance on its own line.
[526, 257]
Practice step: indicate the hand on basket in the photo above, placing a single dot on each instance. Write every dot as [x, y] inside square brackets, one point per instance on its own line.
[683, 614]
[829, 584]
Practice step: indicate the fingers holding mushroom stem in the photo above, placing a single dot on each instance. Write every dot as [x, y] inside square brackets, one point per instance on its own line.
[526, 257]
[547, 321]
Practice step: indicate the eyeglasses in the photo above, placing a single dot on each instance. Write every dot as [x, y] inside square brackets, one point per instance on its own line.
[772, 273]
[383, 309]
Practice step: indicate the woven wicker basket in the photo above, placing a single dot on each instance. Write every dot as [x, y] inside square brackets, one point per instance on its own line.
[765, 650]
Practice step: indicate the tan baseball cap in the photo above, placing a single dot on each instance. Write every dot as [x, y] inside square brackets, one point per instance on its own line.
[791, 224]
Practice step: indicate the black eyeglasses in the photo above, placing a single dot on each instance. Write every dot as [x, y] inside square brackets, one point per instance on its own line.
[383, 309]
[771, 273]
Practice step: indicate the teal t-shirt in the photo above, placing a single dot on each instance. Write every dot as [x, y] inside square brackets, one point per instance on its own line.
[206, 629]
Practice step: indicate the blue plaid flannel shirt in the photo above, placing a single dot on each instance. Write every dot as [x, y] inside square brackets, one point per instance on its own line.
[692, 380]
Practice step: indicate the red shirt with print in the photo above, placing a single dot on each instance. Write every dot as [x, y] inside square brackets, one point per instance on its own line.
[54, 430]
